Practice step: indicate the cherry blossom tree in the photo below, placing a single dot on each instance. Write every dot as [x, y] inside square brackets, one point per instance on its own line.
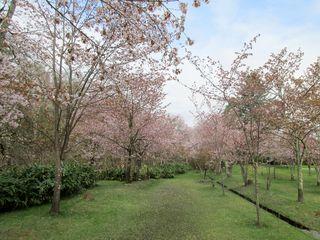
[169, 138]
[134, 127]
[244, 94]
[219, 139]
[124, 119]
[295, 110]
[276, 150]
[313, 154]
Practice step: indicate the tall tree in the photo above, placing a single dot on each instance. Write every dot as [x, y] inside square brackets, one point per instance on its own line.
[295, 108]
[244, 94]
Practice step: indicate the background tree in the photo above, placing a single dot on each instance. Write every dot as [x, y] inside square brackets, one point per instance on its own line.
[295, 110]
[244, 94]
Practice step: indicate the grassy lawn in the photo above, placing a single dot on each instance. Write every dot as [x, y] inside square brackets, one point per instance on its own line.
[283, 194]
[180, 208]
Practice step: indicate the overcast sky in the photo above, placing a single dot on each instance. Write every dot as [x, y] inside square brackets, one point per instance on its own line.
[220, 29]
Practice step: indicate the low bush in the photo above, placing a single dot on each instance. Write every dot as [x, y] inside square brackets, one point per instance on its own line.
[155, 172]
[168, 170]
[33, 185]
[112, 174]
[76, 177]
[180, 168]
[144, 172]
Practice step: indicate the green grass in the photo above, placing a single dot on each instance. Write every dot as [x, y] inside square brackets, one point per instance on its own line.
[179, 208]
[282, 196]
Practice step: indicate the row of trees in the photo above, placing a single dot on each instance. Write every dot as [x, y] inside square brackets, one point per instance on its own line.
[87, 73]
[269, 113]
[133, 125]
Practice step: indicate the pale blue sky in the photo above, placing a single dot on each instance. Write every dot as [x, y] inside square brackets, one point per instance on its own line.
[220, 28]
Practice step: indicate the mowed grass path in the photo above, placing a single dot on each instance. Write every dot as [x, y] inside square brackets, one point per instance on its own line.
[180, 208]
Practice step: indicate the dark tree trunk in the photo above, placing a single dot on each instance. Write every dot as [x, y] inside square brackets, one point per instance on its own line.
[222, 185]
[274, 171]
[92, 161]
[138, 168]
[244, 173]
[55, 207]
[128, 171]
[223, 178]
[205, 174]
[317, 168]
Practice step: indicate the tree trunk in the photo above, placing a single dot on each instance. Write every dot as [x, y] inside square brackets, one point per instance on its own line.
[199, 166]
[292, 171]
[256, 191]
[55, 207]
[138, 168]
[205, 174]
[300, 175]
[218, 168]
[222, 185]
[148, 173]
[92, 161]
[128, 170]
[5, 158]
[317, 168]
[300, 183]
[269, 178]
[3, 153]
[244, 173]
[229, 170]
[274, 171]
[309, 169]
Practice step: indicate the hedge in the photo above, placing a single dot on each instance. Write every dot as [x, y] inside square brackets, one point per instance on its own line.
[168, 170]
[33, 185]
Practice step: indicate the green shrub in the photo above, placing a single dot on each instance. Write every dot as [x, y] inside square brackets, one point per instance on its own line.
[144, 172]
[76, 177]
[167, 170]
[180, 168]
[33, 185]
[155, 172]
[112, 174]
